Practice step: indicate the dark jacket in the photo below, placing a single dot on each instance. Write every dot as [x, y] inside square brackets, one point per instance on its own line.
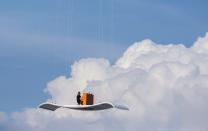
[78, 99]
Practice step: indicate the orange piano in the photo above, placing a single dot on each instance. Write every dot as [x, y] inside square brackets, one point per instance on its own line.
[87, 99]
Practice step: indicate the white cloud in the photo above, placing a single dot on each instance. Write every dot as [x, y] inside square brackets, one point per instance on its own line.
[201, 45]
[165, 86]
[3, 117]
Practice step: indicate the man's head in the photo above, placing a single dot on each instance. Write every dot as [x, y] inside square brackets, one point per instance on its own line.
[79, 93]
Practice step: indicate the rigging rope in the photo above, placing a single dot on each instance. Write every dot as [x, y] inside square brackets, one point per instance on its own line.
[101, 20]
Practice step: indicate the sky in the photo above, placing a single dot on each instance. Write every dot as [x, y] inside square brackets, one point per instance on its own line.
[40, 40]
[151, 56]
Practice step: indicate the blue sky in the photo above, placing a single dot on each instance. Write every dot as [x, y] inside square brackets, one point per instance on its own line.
[40, 39]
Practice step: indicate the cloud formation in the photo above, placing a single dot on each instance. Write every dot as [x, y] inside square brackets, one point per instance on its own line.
[165, 87]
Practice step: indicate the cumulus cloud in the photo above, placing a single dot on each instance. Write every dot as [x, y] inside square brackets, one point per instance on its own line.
[165, 87]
